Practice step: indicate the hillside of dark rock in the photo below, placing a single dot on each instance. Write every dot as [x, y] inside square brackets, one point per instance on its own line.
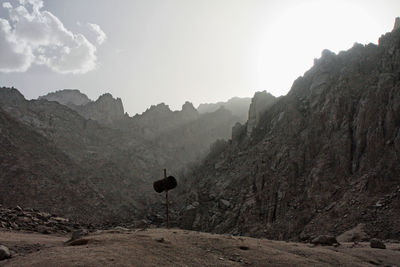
[321, 160]
[35, 173]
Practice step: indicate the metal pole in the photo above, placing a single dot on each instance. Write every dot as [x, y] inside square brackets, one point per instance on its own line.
[166, 198]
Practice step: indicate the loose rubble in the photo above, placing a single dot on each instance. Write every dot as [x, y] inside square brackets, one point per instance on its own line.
[37, 221]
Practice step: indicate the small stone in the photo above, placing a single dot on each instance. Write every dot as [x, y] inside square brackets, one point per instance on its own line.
[160, 239]
[225, 203]
[376, 243]
[4, 253]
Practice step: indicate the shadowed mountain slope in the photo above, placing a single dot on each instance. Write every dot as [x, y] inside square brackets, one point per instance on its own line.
[322, 159]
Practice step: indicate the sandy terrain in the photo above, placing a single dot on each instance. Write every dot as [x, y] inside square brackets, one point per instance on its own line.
[173, 247]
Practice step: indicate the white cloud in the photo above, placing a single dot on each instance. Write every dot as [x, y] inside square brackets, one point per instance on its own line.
[7, 5]
[101, 36]
[39, 37]
[14, 57]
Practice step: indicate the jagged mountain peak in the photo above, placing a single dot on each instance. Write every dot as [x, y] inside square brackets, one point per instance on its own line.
[67, 97]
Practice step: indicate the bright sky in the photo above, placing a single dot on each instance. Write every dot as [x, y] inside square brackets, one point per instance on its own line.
[152, 51]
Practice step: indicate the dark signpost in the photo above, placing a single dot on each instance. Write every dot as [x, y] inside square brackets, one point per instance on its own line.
[168, 183]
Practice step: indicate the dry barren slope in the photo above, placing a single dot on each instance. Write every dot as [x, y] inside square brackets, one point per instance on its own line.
[185, 248]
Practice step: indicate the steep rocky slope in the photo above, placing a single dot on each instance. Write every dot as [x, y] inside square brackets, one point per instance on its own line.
[35, 173]
[322, 159]
[115, 164]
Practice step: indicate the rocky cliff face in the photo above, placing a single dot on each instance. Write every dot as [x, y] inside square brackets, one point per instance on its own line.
[322, 159]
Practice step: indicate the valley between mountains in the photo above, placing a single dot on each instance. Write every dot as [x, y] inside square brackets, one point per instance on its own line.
[319, 162]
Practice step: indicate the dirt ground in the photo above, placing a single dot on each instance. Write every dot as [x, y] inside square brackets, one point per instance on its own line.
[174, 247]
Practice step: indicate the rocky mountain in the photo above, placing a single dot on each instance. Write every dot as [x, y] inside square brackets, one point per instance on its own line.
[117, 159]
[321, 160]
[237, 105]
[115, 163]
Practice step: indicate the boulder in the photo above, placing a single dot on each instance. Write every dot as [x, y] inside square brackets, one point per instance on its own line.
[376, 243]
[4, 253]
[324, 240]
[355, 234]
[78, 234]
[225, 203]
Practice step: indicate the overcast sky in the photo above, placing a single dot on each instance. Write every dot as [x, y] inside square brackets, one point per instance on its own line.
[152, 51]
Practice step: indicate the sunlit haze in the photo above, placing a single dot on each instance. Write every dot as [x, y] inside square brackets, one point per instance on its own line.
[172, 51]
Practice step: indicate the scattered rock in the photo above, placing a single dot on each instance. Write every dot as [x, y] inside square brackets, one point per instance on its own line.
[225, 203]
[4, 253]
[78, 234]
[376, 243]
[160, 239]
[78, 242]
[324, 240]
[19, 218]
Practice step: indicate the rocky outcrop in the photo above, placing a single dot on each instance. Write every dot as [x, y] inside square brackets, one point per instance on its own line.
[396, 24]
[239, 106]
[67, 97]
[321, 160]
[259, 105]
